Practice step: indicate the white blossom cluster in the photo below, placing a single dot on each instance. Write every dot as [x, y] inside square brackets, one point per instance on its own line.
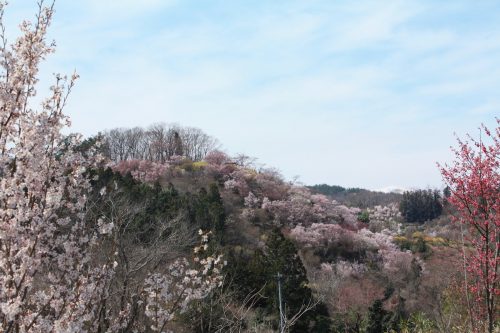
[389, 212]
[344, 269]
[46, 282]
[324, 235]
[169, 293]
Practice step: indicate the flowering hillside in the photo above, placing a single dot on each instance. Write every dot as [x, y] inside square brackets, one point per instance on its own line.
[158, 230]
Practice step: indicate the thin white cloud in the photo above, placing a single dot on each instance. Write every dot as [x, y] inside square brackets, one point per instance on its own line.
[342, 90]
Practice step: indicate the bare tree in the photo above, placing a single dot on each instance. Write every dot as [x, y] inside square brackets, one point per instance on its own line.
[304, 308]
[158, 143]
[135, 256]
[236, 314]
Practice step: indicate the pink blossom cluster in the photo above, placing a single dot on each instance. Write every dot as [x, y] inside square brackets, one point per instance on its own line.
[141, 170]
[220, 165]
[217, 157]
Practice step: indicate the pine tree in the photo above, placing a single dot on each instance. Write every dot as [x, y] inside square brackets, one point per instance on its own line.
[216, 211]
[377, 317]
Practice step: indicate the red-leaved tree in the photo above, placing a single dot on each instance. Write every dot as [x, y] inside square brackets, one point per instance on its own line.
[474, 181]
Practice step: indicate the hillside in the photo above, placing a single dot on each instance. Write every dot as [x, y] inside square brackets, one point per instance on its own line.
[349, 253]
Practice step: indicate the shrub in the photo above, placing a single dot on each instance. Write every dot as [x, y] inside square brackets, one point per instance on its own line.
[364, 216]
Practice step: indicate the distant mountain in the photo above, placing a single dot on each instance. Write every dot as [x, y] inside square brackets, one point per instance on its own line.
[392, 189]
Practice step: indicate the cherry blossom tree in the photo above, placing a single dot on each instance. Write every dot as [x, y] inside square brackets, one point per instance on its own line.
[55, 273]
[46, 284]
[217, 157]
[474, 181]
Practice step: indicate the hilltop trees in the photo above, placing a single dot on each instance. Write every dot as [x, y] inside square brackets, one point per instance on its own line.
[158, 143]
[474, 182]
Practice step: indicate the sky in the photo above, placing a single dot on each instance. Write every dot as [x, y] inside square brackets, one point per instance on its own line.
[355, 93]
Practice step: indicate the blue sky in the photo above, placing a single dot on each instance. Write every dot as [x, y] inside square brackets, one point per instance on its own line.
[355, 93]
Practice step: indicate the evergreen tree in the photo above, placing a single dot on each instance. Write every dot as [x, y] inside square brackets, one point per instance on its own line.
[377, 318]
[394, 319]
[420, 205]
[216, 211]
[178, 145]
[207, 211]
[280, 256]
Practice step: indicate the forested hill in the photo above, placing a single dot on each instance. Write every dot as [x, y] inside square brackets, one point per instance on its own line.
[357, 197]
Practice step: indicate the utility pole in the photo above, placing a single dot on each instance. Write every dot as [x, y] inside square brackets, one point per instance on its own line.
[280, 300]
